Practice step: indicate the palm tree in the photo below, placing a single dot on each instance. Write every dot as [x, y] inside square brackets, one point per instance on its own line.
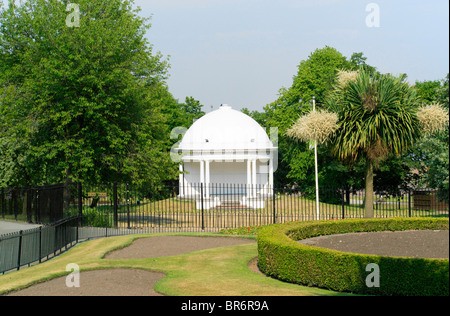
[377, 117]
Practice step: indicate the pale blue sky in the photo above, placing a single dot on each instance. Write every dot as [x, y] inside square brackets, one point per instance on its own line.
[241, 52]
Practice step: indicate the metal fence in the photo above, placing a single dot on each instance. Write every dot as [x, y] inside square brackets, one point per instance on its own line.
[35, 245]
[199, 207]
[119, 209]
[42, 204]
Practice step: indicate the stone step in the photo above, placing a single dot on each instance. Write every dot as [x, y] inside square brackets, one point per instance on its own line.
[231, 205]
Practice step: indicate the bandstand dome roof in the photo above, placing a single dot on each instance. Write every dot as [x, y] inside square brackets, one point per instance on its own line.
[227, 129]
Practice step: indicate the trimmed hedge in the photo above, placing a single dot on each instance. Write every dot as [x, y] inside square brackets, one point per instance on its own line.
[281, 256]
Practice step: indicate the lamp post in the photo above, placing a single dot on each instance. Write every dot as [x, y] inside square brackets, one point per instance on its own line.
[316, 169]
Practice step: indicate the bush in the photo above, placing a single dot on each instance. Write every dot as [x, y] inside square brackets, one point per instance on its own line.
[97, 217]
[282, 257]
[242, 231]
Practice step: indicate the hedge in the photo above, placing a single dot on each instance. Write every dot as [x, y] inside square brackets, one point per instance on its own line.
[281, 256]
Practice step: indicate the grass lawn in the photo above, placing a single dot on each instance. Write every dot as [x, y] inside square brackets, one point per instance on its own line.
[173, 213]
[286, 206]
[212, 272]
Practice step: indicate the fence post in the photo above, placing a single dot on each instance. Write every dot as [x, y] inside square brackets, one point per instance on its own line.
[37, 208]
[40, 244]
[78, 229]
[80, 203]
[19, 257]
[343, 204]
[55, 240]
[273, 205]
[116, 205]
[409, 203]
[201, 194]
[30, 208]
[128, 205]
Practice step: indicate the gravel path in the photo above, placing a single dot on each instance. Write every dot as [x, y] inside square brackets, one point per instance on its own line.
[8, 227]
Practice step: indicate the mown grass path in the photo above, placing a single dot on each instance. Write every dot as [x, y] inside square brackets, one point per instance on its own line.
[219, 271]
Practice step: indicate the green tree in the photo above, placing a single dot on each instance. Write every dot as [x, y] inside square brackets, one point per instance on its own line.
[427, 90]
[82, 102]
[377, 117]
[260, 117]
[192, 110]
[315, 77]
[431, 153]
[357, 60]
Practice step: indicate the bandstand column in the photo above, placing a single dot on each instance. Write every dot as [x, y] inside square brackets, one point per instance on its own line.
[207, 177]
[249, 178]
[202, 175]
[271, 188]
[254, 178]
[181, 180]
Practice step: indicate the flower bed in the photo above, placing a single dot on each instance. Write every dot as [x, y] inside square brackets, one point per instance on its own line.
[281, 256]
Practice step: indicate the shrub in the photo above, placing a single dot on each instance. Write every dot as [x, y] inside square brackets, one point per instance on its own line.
[433, 117]
[242, 231]
[318, 126]
[97, 217]
[282, 257]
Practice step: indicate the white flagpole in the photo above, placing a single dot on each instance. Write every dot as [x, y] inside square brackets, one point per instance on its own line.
[317, 169]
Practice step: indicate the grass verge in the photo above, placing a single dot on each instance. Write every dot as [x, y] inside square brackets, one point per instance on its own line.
[211, 272]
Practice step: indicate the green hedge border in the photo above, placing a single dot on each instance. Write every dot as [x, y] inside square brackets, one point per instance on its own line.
[281, 256]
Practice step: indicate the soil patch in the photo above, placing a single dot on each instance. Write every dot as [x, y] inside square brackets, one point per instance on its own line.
[130, 282]
[413, 244]
[165, 246]
[253, 266]
[110, 282]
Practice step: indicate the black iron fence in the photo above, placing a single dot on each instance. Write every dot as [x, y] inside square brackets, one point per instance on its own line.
[125, 208]
[43, 204]
[198, 207]
[81, 212]
[35, 245]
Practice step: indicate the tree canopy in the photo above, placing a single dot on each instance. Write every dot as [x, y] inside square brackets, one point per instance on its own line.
[315, 77]
[84, 102]
[84, 97]
[318, 76]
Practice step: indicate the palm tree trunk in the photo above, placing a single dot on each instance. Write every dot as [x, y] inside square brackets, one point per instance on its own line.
[369, 189]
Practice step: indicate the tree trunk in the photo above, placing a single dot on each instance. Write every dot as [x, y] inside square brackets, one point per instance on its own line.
[369, 190]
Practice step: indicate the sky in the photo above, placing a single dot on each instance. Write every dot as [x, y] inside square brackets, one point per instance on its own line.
[242, 52]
